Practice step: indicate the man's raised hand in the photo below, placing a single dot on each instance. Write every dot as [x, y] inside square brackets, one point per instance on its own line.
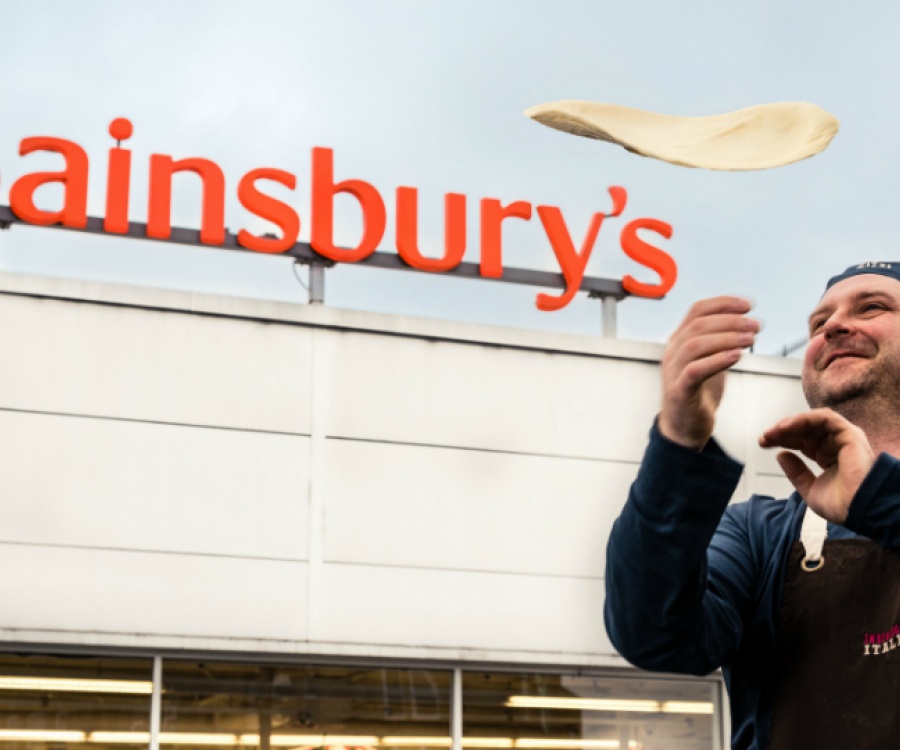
[709, 340]
[836, 445]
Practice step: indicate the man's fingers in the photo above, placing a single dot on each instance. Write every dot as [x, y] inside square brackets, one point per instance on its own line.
[717, 306]
[701, 370]
[697, 328]
[708, 341]
[713, 327]
[797, 472]
[699, 348]
[808, 428]
[687, 369]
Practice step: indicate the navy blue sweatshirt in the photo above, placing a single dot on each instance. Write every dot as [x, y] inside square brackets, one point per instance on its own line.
[694, 584]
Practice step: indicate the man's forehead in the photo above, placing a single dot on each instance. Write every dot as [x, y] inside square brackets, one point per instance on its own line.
[861, 285]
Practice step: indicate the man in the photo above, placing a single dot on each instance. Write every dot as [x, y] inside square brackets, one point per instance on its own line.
[806, 635]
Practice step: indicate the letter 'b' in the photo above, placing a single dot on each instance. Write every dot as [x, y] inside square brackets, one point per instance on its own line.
[322, 218]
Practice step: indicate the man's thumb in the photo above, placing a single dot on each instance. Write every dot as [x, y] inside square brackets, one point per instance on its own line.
[796, 471]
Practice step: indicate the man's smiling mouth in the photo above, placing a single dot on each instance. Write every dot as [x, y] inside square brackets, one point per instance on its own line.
[835, 356]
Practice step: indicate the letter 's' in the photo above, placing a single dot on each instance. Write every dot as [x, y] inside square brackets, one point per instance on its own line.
[649, 256]
[269, 208]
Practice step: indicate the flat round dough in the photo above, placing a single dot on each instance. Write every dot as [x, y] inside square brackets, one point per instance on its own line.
[760, 137]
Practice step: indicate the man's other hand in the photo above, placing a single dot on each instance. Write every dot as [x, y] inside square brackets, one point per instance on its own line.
[839, 447]
[709, 340]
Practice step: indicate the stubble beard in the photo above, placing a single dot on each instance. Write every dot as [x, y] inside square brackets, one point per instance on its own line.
[868, 398]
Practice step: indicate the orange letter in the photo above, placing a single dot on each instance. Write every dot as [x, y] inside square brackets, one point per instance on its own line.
[650, 256]
[74, 179]
[322, 219]
[159, 220]
[267, 207]
[570, 261]
[492, 216]
[454, 231]
[118, 178]
[573, 263]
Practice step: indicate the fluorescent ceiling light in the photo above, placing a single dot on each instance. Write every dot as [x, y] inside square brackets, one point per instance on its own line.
[487, 742]
[303, 740]
[284, 740]
[196, 738]
[687, 707]
[583, 704]
[41, 735]
[314, 740]
[70, 685]
[120, 738]
[610, 704]
[433, 741]
[535, 743]
[567, 744]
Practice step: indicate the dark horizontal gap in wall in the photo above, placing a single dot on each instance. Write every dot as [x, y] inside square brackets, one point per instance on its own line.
[142, 551]
[137, 420]
[476, 449]
[466, 571]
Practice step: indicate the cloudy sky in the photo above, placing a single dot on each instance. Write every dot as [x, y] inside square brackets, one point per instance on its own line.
[430, 94]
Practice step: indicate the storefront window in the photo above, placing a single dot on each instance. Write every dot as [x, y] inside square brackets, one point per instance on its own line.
[559, 712]
[52, 702]
[305, 708]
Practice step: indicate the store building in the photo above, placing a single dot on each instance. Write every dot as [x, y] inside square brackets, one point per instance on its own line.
[236, 523]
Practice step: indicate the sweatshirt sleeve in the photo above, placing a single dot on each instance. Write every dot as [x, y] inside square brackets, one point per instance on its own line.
[678, 580]
[875, 509]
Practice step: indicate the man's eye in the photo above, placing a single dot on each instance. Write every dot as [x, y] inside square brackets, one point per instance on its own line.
[816, 325]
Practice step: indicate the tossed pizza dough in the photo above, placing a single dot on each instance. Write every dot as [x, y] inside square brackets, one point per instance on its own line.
[760, 137]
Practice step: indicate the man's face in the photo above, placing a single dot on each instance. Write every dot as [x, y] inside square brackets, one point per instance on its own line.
[853, 355]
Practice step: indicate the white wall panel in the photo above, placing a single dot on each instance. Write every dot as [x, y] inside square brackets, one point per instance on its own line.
[55, 588]
[162, 366]
[777, 487]
[439, 486]
[418, 391]
[442, 608]
[132, 485]
[768, 400]
[470, 510]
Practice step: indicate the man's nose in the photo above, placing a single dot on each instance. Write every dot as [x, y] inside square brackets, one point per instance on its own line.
[837, 324]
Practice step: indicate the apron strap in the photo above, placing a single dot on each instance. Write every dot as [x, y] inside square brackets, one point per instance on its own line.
[812, 537]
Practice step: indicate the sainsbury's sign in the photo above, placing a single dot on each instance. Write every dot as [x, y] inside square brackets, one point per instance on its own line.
[492, 214]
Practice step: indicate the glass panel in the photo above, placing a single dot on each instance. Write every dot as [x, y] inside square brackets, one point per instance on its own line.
[53, 702]
[227, 705]
[560, 712]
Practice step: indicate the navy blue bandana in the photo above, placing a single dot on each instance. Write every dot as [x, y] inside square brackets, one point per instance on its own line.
[891, 270]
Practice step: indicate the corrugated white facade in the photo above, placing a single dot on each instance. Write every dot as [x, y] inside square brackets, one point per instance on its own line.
[198, 472]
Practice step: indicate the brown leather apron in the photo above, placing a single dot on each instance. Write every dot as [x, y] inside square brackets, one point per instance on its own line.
[839, 649]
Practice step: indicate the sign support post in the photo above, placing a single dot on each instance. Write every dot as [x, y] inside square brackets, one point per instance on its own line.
[608, 309]
[316, 283]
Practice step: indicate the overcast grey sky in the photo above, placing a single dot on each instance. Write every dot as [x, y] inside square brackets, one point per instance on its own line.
[431, 94]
